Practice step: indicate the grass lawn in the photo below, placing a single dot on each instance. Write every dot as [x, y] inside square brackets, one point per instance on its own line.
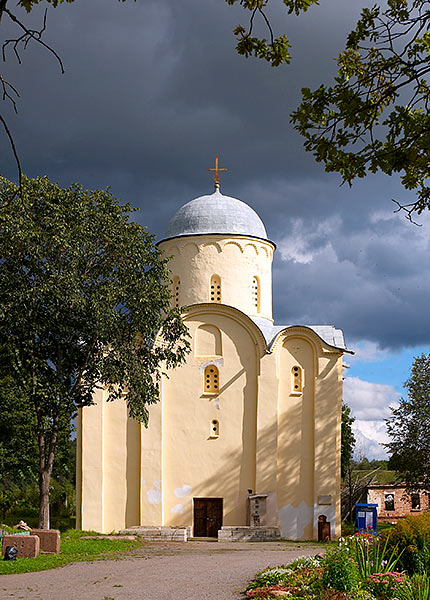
[73, 549]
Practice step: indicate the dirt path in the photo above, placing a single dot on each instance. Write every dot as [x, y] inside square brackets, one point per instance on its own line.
[168, 571]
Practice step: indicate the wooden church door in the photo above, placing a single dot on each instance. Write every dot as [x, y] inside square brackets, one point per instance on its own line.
[207, 517]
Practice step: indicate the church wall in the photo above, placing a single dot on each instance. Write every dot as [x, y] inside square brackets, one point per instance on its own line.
[151, 465]
[237, 261]
[195, 464]
[295, 458]
[109, 461]
[90, 423]
[328, 400]
[267, 436]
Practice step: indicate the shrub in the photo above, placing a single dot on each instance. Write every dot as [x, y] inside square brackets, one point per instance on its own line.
[386, 585]
[303, 583]
[411, 535]
[416, 588]
[270, 577]
[340, 572]
[371, 553]
[305, 561]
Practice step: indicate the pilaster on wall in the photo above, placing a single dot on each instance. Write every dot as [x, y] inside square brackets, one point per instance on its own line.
[151, 466]
[328, 399]
[267, 435]
[92, 464]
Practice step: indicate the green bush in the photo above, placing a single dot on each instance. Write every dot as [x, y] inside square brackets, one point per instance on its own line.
[416, 588]
[270, 577]
[411, 535]
[340, 572]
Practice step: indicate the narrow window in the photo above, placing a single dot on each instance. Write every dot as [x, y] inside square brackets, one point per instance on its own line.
[175, 291]
[255, 294]
[211, 383]
[296, 380]
[214, 431]
[415, 502]
[389, 501]
[215, 288]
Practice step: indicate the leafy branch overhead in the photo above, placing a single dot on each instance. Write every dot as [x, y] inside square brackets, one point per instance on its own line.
[375, 116]
[276, 49]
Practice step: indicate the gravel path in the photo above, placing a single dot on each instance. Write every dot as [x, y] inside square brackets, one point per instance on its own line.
[164, 571]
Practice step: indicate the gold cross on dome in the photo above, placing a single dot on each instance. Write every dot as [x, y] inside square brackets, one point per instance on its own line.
[217, 170]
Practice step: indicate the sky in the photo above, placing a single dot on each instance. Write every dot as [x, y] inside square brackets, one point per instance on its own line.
[154, 90]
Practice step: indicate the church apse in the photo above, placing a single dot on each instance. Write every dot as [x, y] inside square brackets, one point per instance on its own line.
[209, 438]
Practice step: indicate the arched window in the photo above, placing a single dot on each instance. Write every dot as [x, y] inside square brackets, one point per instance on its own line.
[176, 288]
[211, 382]
[255, 293]
[215, 288]
[296, 380]
[214, 429]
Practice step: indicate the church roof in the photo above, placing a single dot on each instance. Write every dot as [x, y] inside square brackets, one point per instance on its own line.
[328, 333]
[216, 214]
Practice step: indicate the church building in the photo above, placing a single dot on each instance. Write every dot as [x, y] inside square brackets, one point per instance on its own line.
[255, 413]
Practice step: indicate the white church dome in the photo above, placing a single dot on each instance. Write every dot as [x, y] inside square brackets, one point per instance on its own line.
[216, 214]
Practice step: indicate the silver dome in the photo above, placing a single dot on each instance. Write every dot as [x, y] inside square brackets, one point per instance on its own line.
[216, 213]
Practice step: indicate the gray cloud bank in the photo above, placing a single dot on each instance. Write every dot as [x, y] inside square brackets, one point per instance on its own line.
[154, 90]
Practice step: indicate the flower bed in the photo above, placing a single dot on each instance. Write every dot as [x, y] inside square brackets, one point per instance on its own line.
[358, 567]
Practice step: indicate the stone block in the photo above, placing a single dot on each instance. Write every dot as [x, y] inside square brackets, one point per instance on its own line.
[248, 534]
[49, 540]
[28, 546]
[160, 533]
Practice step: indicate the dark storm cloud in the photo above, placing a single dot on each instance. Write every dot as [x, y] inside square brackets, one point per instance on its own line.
[154, 90]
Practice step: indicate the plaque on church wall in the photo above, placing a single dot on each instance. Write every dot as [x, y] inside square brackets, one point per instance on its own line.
[324, 500]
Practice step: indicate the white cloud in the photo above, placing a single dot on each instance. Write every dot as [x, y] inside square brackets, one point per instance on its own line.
[368, 440]
[178, 509]
[369, 352]
[302, 246]
[369, 401]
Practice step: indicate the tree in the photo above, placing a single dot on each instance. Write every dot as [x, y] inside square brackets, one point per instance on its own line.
[84, 294]
[347, 450]
[376, 115]
[348, 439]
[409, 428]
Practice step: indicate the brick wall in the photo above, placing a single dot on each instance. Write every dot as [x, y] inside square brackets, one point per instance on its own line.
[396, 497]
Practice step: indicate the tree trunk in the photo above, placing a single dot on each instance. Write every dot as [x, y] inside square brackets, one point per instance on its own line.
[44, 481]
[45, 471]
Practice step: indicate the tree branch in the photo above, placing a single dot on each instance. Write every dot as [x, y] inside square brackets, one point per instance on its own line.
[29, 34]
[15, 153]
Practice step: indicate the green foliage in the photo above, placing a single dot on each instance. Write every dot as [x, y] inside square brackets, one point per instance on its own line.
[369, 465]
[276, 50]
[409, 428]
[375, 116]
[385, 585]
[84, 305]
[411, 536]
[340, 572]
[300, 579]
[348, 439]
[415, 588]
[270, 577]
[73, 549]
[370, 553]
